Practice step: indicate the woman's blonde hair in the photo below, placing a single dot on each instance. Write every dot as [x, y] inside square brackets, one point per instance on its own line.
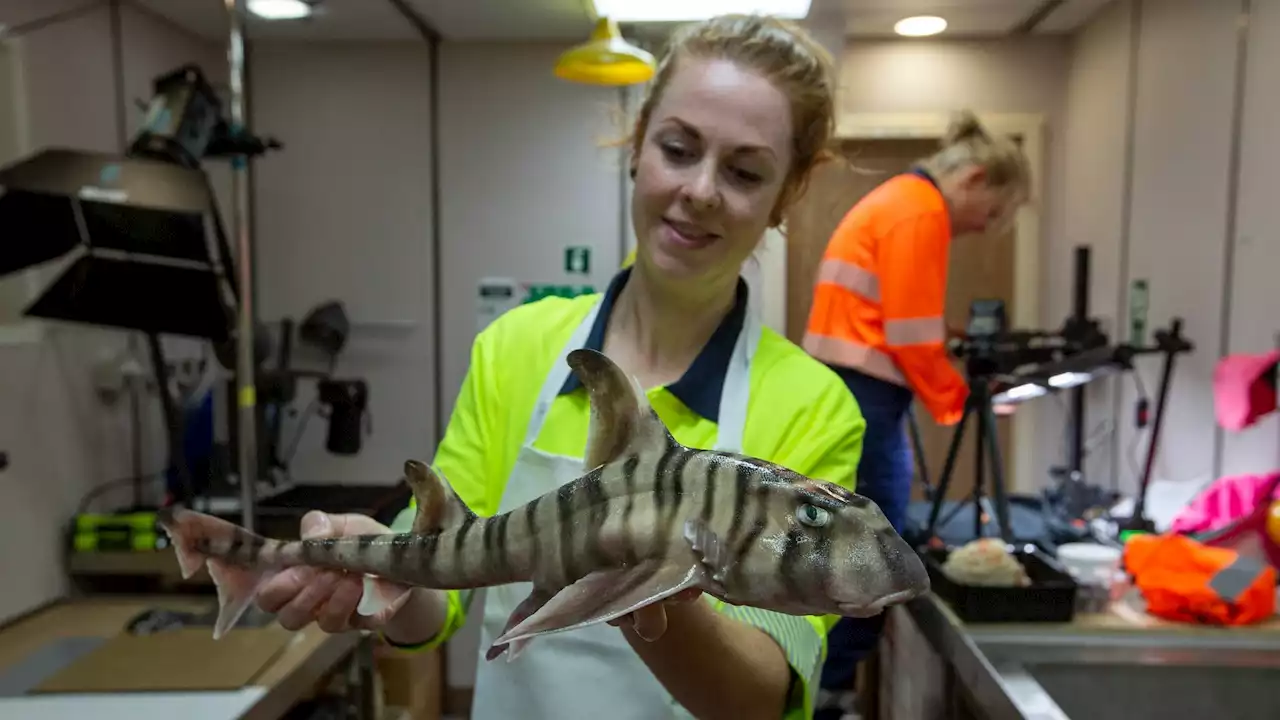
[777, 50]
[968, 143]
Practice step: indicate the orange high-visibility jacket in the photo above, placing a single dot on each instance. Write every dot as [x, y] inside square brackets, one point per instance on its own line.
[880, 293]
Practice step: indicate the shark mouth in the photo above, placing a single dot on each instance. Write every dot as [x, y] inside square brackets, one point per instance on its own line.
[860, 610]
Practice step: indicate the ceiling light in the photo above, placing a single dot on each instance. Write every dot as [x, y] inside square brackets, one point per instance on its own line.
[280, 9]
[920, 26]
[686, 10]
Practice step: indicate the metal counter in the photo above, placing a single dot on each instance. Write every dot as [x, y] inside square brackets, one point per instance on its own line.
[1069, 672]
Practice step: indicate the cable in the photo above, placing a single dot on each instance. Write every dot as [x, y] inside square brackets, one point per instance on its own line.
[312, 409]
[87, 499]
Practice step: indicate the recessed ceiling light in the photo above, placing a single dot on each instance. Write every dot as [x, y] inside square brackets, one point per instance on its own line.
[686, 10]
[279, 9]
[920, 26]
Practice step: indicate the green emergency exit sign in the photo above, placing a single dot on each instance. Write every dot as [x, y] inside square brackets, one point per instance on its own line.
[577, 260]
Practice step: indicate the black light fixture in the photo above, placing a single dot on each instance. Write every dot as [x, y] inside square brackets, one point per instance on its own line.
[144, 241]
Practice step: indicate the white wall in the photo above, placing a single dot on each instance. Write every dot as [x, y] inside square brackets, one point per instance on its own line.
[1254, 325]
[344, 212]
[1093, 199]
[1166, 215]
[526, 170]
[60, 440]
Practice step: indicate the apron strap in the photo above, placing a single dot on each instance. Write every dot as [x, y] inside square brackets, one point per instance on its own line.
[559, 373]
[737, 381]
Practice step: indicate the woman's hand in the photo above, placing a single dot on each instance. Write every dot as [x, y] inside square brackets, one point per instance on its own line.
[301, 595]
[650, 621]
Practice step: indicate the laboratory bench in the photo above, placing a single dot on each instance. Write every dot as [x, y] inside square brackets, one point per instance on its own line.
[931, 665]
[74, 659]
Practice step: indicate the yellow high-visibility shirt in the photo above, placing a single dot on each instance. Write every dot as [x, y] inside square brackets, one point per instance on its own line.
[800, 415]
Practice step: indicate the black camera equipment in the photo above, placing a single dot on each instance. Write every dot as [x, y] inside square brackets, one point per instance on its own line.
[985, 352]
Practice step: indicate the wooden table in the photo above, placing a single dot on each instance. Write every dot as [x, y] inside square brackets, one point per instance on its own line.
[310, 657]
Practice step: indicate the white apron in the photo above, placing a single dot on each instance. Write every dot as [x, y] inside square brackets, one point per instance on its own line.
[591, 672]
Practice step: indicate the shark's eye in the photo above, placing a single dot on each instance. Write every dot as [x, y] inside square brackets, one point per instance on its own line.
[812, 515]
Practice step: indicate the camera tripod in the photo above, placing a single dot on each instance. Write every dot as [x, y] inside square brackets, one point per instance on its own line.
[978, 403]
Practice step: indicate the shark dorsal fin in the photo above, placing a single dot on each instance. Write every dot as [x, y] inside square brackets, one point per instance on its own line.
[622, 421]
[438, 506]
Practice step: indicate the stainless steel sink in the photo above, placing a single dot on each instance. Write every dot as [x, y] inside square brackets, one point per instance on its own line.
[1137, 677]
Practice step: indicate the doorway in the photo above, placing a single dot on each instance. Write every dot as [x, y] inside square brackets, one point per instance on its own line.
[980, 267]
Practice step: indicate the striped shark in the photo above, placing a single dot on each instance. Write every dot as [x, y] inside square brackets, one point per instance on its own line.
[650, 518]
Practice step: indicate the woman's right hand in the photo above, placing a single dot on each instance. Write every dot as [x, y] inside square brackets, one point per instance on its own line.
[301, 595]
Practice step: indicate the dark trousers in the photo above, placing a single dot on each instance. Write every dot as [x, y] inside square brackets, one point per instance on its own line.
[884, 477]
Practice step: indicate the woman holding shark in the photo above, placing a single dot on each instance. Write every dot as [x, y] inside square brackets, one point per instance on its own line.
[740, 111]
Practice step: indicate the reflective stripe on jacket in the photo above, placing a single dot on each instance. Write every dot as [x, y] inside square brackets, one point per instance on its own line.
[881, 290]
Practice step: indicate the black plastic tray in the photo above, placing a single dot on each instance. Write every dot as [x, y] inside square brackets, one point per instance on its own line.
[1051, 597]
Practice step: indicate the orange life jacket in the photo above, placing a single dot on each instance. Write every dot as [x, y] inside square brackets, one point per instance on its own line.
[880, 293]
[1186, 581]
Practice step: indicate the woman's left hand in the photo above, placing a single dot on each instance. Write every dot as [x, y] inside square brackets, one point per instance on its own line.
[650, 621]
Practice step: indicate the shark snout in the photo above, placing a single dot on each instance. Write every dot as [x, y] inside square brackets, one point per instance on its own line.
[907, 573]
[882, 570]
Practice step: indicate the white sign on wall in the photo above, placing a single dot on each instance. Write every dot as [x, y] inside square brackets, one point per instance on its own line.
[495, 296]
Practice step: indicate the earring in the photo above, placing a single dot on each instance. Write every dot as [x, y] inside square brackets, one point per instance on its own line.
[632, 172]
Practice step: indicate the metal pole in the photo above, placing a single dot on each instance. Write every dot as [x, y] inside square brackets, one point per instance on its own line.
[246, 394]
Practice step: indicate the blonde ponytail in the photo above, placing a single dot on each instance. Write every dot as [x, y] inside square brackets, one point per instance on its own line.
[966, 142]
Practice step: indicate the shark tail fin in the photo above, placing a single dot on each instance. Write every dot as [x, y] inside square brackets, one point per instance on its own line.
[239, 562]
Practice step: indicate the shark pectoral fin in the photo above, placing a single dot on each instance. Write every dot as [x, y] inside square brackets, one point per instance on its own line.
[605, 595]
[621, 418]
[530, 605]
[439, 507]
[381, 598]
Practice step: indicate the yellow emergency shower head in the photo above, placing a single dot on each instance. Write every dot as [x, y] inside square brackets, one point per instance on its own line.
[606, 59]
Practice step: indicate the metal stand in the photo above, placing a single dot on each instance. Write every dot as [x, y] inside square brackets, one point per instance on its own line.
[1170, 343]
[246, 400]
[979, 402]
[917, 449]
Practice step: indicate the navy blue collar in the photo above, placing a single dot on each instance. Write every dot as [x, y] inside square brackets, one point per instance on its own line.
[702, 384]
[921, 172]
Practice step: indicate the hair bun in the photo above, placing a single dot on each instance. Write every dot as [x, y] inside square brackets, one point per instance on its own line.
[964, 126]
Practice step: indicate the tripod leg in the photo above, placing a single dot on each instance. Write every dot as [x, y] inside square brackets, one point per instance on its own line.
[944, 480]
[978, 474]
[997, 474]
[917, 448]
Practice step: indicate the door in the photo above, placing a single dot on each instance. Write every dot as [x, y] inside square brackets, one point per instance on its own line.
[980, 267]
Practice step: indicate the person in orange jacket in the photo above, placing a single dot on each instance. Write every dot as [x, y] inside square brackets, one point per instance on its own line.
[878, 309]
